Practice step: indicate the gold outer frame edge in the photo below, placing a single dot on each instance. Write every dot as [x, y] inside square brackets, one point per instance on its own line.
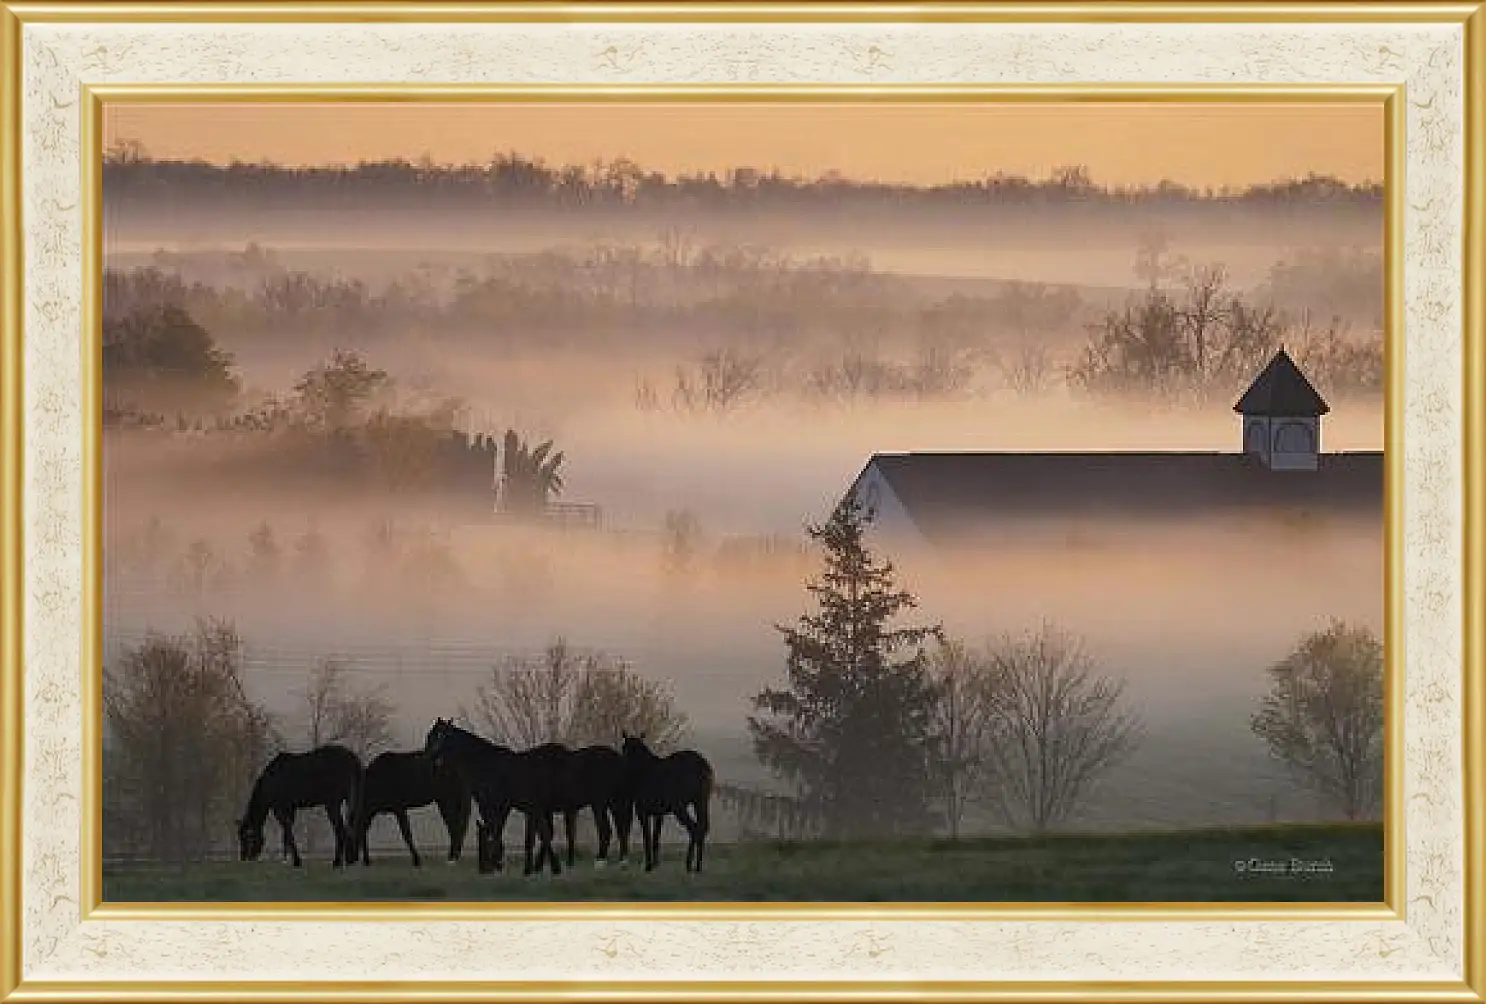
[1390, 97]
[1119, 11]
[748, 992]
[12, 693]
[91, 347]
[774, 93]
[11, 442]
[1473, 681]
[1395, 859]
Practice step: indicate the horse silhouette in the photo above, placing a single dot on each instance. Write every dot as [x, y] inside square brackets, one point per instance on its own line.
[501, 780]
[593, 777]
[398, 781]
[328, 776]
[677, 784]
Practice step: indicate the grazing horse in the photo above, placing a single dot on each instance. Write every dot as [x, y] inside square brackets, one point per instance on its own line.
[502, 780]
[328, 776]
[397, 782]
[672, 784]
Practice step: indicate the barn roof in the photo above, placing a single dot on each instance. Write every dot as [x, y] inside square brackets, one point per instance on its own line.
[1281, 390]
[945, 492]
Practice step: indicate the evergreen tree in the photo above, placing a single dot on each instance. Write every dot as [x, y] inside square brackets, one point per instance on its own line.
[853, 731]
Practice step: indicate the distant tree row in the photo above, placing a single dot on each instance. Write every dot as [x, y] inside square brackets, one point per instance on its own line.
[129, 172]
[658, 297]
[154, 559]
[833, 333]
[420, 560]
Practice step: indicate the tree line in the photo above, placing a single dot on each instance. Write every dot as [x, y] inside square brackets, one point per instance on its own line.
[153, 559]
[511, 177]
[657, 296]
[1188, 334]
[662, 293]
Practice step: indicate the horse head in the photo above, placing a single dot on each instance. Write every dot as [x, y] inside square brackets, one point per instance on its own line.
[634, 747]
[249, 841]
[437, 739]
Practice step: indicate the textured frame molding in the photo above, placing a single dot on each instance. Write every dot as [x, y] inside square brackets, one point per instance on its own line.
[55, 944]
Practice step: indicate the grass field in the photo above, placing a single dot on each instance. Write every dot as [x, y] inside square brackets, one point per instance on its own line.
[1192, 866]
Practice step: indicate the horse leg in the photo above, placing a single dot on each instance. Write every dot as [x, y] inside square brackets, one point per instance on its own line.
[545, 832]
[645, 844]
[498, 834]
[286, 821]
[456, 815]
[624, 820]
[361, 827]
[606, 833]
[704, 825]
[657, 823]
[531, 836]
[569, 824]
[690, 825]
[407, 834]
[342, 838]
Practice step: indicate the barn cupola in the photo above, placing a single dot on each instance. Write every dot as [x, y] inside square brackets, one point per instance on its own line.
[1282, 417]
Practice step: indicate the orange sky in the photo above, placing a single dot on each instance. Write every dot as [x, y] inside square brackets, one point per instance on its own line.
[1206, 144]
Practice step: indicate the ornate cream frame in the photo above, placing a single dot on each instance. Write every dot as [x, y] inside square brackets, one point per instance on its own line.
[60, 61]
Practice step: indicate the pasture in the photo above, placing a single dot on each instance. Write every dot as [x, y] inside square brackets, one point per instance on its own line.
[1195, 866]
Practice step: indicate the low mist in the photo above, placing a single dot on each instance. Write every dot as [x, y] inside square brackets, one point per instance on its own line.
[424, 592]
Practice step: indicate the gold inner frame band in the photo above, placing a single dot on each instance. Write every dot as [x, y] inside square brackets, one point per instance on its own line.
[748, 12]
[95, 100]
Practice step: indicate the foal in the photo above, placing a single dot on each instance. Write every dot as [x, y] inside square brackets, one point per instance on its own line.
[674, 784]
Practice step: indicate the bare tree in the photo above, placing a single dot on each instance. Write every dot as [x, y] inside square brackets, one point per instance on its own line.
[264, 553]
[1056, 726]
[680, 539]
[1028, 370]
[181, 745]
[1153, 263]
[646, 398]
[720, 381]
[361, 720]
[575, 698]
[1323, 715]
[201, 569]
[335, 712]
[613, 700]
[962, 724]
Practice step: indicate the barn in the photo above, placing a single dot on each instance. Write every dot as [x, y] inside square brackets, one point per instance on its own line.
[940, 499]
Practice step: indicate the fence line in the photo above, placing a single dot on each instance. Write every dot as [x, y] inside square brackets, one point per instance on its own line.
[376, 659]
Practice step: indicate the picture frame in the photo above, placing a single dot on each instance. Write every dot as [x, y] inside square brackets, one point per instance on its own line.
[62, 61]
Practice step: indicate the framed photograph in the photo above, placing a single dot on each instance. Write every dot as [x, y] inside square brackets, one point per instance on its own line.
[755, 501]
